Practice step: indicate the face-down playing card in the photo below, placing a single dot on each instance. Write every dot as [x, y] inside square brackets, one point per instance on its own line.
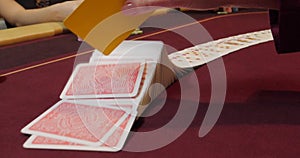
[194, 56]
[79, 122]
[104, 80]
[113, 143]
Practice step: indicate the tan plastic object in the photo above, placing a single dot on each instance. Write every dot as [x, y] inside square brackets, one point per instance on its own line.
[30, 32]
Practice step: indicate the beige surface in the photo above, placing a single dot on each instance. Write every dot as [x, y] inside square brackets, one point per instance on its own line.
[30, 32]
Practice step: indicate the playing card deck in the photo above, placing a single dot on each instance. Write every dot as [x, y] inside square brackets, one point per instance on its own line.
[99, 102]
[102, 98]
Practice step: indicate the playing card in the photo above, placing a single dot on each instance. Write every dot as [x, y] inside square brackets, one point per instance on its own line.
[206, 52]
[195, 56]
[263, 35]
[114, 143]
[188, 58]
[103, 31]
[118, 138]
[78, 121]
[244, 41]
[104, 80]
[228, 46]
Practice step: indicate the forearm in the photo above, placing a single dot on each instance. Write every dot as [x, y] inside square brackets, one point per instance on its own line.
[18, 16]
[206, 4]
[33, 16]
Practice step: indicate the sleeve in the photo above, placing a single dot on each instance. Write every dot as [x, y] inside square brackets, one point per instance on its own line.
[285, 26]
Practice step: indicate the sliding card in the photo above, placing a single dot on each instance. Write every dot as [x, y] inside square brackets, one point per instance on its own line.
[104, 80]
[78, 122]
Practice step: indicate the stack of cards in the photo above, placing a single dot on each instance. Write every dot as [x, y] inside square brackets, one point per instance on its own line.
[158, 68]
[81, 125]
[100, 101]
[83, 119]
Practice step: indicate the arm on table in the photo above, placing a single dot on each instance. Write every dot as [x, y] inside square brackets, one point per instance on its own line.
[16, 15]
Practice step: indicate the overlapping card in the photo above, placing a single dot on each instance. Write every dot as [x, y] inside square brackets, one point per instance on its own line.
[81, 125]
[207, 52]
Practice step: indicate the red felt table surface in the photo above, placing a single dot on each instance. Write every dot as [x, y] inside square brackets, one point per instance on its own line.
[260, 117]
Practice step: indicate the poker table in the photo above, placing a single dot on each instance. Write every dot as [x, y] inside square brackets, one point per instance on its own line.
[260, 116]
